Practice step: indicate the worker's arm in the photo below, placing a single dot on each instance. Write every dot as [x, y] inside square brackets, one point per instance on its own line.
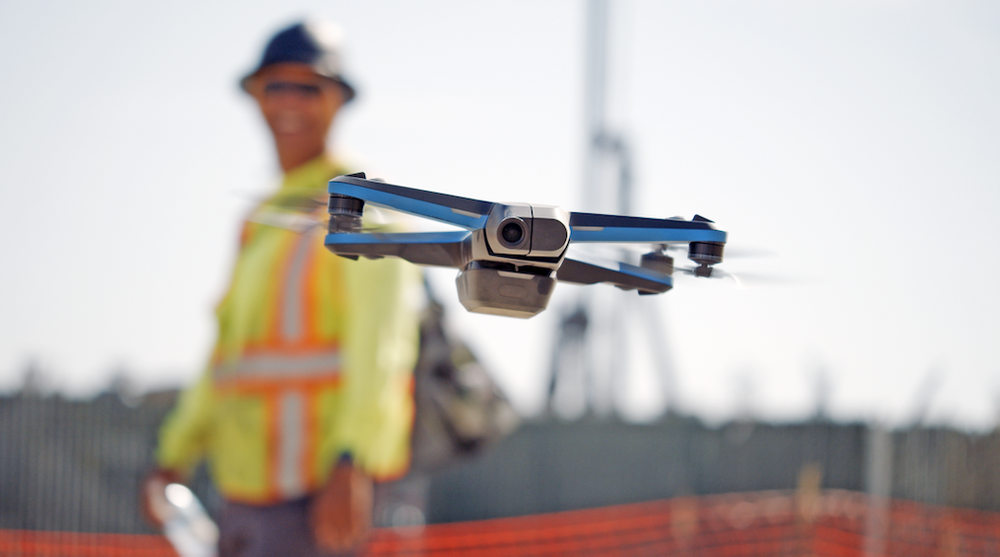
[371, 433]
[184, 433]
[182, 442]
[380, 349]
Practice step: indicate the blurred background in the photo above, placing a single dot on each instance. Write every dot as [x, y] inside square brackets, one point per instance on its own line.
[853, 148]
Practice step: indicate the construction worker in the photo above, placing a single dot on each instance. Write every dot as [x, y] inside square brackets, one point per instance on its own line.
[307, 398]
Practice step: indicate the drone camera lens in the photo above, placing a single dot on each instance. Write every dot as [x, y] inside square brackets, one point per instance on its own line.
[512, 233]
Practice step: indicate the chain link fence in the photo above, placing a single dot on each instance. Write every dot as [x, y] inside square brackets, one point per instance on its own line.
[73, 468]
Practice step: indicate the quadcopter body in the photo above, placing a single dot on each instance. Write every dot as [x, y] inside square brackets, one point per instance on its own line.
[510, 255]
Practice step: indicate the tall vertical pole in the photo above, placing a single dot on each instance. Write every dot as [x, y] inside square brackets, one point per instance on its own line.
[599, 338]
[578, 356]
[878, 484]
[590, 359]
[595, 101]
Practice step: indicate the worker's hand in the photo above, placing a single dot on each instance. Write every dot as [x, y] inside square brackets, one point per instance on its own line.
[152, 495]
[341, 512]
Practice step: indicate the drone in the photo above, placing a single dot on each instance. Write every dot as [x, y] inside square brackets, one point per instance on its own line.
[510, 255]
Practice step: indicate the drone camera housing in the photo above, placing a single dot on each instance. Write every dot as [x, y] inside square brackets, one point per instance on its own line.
[527, 230]
[549, 231]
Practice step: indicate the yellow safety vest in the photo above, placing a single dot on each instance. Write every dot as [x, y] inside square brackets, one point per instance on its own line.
[313, 360]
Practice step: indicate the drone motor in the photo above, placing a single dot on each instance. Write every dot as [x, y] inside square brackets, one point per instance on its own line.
[345, 213]
[705, 254]
[658, 261]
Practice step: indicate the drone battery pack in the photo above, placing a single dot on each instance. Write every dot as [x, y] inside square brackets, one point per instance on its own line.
[497, 292]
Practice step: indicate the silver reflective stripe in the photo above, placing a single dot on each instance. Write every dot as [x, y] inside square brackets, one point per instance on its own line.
[291, 326]
[264, 366]
[291, 412]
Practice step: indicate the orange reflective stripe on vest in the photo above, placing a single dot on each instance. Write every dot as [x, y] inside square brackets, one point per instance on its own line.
[286, 372]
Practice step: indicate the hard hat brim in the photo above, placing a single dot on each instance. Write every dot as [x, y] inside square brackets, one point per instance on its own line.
[349, 92]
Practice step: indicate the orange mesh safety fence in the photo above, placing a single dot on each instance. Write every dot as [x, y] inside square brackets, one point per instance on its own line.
[74, 544]
[748, 524]
[830, 522]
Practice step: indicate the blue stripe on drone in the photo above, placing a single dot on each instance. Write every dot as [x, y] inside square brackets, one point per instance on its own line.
[448, 237]
[408, 205]
[643, 235]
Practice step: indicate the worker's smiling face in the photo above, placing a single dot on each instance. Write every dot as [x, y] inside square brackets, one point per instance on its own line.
[298, 105]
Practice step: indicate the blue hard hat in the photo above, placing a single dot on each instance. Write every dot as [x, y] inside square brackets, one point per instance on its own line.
[314, 43]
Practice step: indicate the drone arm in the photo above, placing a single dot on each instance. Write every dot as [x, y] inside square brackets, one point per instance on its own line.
[439, 249]
[592, 227]
[625, 276]
[459, 211]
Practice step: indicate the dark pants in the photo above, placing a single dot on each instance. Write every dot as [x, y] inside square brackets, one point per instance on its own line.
[268, 531]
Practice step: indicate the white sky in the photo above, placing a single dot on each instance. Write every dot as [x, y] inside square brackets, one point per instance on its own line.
[859, 140]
